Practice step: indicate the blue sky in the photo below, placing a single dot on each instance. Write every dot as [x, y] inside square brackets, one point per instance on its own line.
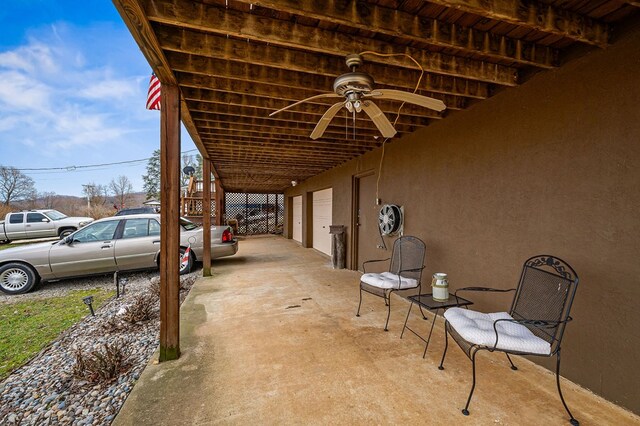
[73, 87]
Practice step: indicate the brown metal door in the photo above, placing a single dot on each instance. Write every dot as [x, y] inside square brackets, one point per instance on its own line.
[367, 233]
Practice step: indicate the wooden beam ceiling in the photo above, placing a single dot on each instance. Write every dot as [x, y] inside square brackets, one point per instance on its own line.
[207, 19]
[396, 23]
[330, 62]
[236, 61]
[199, 66]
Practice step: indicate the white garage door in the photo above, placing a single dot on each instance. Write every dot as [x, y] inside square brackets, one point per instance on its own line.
[321, 220]
[297, 218]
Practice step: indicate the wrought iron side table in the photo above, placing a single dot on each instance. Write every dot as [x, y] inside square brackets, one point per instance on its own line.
[426, 301]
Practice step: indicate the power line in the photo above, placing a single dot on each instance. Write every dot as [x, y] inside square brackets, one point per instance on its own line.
[72, 168]
[87, 166]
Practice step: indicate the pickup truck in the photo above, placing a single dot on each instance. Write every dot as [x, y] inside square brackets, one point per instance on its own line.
[39, 224]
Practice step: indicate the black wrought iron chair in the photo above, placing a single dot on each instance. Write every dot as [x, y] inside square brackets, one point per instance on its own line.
[534, 325]
[405, 272]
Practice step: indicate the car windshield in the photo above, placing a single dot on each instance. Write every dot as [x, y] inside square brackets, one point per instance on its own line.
[55, 214]
[187, 224]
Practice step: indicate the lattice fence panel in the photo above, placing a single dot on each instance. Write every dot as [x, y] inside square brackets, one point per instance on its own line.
[255, 213]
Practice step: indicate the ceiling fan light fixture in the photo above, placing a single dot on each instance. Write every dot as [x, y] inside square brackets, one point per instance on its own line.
[349, 106]
[357, 105]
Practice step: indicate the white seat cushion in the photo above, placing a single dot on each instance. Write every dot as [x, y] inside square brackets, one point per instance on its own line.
[388, 280]
[477, 328]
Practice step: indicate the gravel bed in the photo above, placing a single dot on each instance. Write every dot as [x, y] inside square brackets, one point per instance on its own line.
[45, 391]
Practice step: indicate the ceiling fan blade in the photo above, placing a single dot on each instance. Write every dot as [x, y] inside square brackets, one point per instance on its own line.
[379, 119]
[325, 120]
[412, 98]
[324, 95]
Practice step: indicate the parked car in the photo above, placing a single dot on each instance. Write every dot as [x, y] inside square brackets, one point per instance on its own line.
[135, 210]
[39, 224]
[122, 243]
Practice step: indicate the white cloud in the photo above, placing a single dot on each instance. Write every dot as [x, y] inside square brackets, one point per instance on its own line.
[32, 58]
[76, 96]
[57, 94]
[109, 90]
[22, 92]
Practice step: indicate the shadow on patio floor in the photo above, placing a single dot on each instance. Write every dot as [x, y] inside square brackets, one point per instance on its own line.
[272, 338]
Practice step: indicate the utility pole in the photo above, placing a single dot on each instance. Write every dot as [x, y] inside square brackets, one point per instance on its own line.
[88, 192]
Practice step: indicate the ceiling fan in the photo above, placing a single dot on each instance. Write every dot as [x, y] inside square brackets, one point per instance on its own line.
[356, 90]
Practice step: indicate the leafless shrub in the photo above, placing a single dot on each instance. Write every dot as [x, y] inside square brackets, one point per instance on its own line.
[4, 210]
[143, 308]
[154, 286]
[113, 324]
[98, 212]
[186, 282]
[101, 366]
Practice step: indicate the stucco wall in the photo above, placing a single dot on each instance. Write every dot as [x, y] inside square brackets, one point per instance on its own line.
[551, 167]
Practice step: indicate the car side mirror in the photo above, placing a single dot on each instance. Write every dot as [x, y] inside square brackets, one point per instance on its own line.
[44, 219]
[68, 240]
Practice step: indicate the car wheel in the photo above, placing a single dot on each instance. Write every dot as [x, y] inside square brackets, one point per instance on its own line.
[66, 232]
[5, 241]
[185, 267]
[17, 278]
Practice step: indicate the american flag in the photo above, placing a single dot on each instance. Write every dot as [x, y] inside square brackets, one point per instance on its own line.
[153, 97]
[184, 259]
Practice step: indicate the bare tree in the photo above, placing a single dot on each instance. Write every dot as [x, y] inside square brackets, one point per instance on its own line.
[15, 185]
[47, 199]
[95, 194]
[121, 188]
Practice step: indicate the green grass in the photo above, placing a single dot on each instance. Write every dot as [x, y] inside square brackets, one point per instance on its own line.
[26, 327]
[6, 246]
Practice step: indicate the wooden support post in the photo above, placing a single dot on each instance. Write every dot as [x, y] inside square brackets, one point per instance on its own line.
[219, 204]
[206, 218]
[169, 223]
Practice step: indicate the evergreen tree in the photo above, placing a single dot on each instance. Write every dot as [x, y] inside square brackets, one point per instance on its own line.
[152, 178]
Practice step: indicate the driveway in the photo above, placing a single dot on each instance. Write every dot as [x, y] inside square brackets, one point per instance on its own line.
[272, 338]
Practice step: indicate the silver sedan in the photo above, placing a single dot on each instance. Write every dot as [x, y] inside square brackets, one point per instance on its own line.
[122, 243]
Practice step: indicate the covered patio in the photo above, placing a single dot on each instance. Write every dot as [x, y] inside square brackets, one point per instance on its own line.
[535, 153]
[272, 338]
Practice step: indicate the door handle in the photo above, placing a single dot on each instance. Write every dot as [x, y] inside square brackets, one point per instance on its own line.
[156, 242]
[106, 246]
[27, 226]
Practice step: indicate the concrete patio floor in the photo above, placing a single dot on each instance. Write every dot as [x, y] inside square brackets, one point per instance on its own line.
[272, 338]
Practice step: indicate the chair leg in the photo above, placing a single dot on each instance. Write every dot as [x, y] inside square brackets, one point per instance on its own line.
[359, 304]
[513, 366]
[388, 312]
[572, 420]
[424, 317]
[446, 345]
[465, 411]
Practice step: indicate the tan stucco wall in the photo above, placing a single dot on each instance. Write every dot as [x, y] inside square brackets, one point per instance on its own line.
[551, 167]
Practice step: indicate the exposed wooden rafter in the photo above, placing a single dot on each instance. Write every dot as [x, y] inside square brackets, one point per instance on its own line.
[199, 66]
[188, 41]
[290, 35]
[395, 23]
[537, 16]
